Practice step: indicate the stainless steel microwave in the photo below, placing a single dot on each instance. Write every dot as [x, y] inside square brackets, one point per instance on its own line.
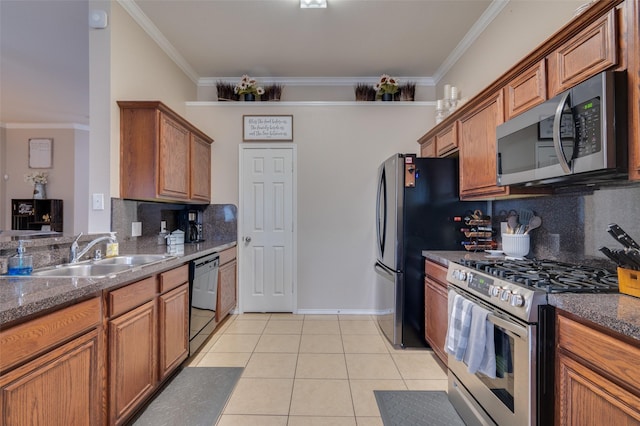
[579, 135]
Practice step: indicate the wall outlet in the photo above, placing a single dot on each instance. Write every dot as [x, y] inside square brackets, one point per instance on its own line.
[136, 229]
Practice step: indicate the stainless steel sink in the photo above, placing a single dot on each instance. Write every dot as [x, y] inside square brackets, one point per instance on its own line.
[81, 270]
[134, 259]
[102, 268]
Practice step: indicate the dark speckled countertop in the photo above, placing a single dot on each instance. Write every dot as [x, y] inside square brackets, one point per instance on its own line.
[24, 297]
[617, 312]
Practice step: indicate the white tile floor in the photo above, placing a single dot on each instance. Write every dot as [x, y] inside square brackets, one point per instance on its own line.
[317, 370]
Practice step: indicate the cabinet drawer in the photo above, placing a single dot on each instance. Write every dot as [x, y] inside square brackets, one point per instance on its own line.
[436, 271]
[618, 359]
[41, 334]
[447, 141]
[173, 278]
[127, 298]
[227, 255]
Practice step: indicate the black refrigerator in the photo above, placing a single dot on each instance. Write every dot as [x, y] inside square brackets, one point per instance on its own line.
[417, 203]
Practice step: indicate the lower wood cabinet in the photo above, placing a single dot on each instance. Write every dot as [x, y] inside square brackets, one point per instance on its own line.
[148, 338]
[227, 279]
[52, 373]
[436, 308]
[597, 377]
[132, 360]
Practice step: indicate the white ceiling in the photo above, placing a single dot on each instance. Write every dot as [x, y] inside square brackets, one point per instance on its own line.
[44, 65]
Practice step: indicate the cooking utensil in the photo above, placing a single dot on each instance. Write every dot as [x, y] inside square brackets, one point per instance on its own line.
[627, 260]
[525, 216]
[622, 237]
[534, 223]
[634, 255]
[512, 222]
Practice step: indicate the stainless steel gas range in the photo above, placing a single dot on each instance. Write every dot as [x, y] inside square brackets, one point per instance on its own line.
[515, 294]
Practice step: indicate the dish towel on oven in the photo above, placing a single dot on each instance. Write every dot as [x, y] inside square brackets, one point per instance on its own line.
[480, 356]
[458, 330]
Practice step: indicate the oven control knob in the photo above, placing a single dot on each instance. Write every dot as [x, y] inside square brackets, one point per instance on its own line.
[494, 290]
[459, 275]
[505, 296]
[517, 300]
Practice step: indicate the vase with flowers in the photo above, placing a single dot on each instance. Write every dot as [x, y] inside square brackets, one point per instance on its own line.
[248, 87]
[39, 182]
[386, 87]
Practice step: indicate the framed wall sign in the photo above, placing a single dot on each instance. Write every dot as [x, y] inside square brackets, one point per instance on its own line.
[40, 153]
[267, 128]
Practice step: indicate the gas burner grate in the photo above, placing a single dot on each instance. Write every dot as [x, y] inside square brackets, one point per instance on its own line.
[550, 276]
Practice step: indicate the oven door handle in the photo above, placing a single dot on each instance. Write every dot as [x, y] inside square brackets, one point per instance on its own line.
[514, 330]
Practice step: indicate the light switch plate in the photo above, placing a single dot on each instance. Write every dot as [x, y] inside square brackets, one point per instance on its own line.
[136, 229]
[98, 202]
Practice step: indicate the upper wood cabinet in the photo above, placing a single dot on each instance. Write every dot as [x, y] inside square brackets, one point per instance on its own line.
[477, 140]
[632, 11]
[162, 156]
[526, 90]
[444, 143]
[592, 50]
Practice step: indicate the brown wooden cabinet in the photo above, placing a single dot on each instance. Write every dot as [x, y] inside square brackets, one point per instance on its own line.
[173, 320]
[526, 90]
[162, 156]
[592, 50]
[227, 283]
[52, 373]
[147, 338]
[597, 379]
[427, 147]
[632, 11]
[477, 139]
[442, 144]
[436, 305]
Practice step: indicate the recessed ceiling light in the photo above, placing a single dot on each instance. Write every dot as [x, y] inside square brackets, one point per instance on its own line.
[313, 4]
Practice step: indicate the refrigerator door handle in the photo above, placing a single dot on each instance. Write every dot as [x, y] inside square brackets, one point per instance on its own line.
[381, 212]
[384, 271]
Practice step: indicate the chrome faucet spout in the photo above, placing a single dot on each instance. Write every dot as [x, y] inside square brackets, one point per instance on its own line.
[75, 255]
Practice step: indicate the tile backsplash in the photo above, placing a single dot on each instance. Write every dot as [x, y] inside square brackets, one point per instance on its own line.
[575, 225]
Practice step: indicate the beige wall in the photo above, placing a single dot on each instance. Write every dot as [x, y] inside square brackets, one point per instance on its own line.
[339, 149]
[61, 176]
[140, 70]
[4, 213]
[519, 28]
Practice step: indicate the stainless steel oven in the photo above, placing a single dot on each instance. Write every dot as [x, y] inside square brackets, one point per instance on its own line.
[515, 294]
[509, 398]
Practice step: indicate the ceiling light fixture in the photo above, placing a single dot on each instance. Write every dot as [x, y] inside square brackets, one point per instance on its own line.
[313, 4]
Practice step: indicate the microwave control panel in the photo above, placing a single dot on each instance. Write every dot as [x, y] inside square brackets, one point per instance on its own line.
[588, 127]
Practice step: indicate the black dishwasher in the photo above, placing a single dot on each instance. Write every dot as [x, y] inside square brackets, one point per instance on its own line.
[203, 292]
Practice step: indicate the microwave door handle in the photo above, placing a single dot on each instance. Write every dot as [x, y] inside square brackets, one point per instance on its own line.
[557, 139]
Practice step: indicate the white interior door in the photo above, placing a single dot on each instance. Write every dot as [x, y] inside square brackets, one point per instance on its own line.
[266, 229]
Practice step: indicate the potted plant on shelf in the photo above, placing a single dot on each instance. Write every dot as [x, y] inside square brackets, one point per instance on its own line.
[386, 87]
[39, 182]
[248, 87]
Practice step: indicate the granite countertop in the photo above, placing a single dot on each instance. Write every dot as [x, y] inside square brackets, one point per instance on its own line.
[22, 297]
[617, 312]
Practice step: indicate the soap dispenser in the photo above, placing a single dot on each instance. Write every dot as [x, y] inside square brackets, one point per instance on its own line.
[20, 263]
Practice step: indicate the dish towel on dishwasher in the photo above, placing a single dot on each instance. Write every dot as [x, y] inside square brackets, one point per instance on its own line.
[481, 352]
[458, 330]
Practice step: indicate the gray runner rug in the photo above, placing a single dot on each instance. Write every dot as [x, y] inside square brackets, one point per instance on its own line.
[416, 408]
[195, 396]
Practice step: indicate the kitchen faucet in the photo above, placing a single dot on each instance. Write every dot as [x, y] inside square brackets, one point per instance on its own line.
[75, 255]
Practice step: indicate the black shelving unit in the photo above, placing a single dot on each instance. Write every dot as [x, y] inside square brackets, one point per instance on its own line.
[33, 215]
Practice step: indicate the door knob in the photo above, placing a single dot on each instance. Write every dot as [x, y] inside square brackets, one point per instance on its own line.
[247, 239]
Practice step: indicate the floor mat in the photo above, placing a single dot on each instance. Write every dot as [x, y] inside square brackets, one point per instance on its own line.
[416, 408]
[195, 396]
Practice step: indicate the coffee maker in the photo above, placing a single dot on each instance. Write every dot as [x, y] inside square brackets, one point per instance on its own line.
[191, 224]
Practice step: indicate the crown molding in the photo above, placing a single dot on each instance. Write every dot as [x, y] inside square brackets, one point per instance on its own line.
[472, 35]
[68, 126]
[138, 15]
[315, 81]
